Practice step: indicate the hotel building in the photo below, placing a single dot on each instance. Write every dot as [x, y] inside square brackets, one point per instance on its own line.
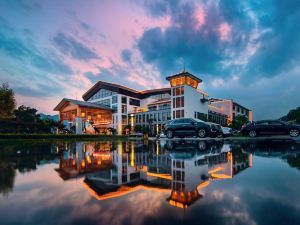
[149, 108]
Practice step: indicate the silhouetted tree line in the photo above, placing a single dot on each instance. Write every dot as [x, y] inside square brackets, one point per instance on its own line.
[293, 116]
[22, 157]
[23, 119]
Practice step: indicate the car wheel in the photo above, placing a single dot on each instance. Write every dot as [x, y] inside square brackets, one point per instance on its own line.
[202, 145]
[170, 134]
[252, 133]
[201, 133]
[294, 133]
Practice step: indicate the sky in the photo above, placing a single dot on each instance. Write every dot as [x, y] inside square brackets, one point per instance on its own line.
[248, 51]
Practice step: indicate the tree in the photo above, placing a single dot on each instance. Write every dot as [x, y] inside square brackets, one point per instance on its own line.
[294, 115]
[7, 101]
[26, 114]
[239, 121]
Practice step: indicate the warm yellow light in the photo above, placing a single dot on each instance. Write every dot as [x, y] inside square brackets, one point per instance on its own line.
[132, 155]
[160, 175]
[221, 176]
[177, 204]
[203, 184]
[88, 159]
[215, 170]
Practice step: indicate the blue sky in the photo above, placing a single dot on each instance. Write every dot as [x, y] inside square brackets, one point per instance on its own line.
[245, 50]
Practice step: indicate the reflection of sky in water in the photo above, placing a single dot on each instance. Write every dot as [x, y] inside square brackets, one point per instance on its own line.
[267, 193]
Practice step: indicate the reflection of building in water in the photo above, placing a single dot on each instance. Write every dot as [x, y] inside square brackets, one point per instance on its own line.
[81, 158]
[132, 167]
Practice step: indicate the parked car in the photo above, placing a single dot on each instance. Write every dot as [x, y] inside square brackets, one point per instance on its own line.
[270, 127]
[184, 127]
[226, 131]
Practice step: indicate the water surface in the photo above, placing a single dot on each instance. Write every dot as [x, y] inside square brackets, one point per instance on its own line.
[167, 182]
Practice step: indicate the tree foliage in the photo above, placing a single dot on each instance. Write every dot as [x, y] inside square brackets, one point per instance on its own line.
[7, 101]
[26, 114]
[294, 115]
[239, 121]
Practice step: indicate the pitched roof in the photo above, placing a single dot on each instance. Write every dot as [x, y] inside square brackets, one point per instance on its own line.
[80, 103]
[184, 73]
[123, 90]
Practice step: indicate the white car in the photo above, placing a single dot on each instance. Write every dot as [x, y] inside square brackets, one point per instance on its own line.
[227, 131]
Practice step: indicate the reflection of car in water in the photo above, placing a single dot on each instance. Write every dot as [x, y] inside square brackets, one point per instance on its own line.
[193, 145]
[271, 146]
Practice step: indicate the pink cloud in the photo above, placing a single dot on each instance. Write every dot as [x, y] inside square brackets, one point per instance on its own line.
[224, 31]
[200, 17]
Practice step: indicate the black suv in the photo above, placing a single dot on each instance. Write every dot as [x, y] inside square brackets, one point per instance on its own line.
[270, 127]
[191, 127]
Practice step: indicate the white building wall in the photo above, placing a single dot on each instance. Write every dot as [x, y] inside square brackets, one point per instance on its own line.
[192, 102]
[193, 174]
[224, 107]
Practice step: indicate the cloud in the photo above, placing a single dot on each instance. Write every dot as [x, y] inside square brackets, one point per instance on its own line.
[69, 46]
[126, 55]
[18, 49]
[197, 34]
[224, 38]
[25, 5]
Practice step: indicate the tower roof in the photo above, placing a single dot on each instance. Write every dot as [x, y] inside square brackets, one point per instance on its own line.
[184, 73]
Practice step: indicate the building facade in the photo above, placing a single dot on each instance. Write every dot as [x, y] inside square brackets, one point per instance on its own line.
[153, 108]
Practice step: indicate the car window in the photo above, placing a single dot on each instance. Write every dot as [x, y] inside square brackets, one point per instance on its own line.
[188, 120]
[262, 123]
[178, 121]
[276, 123]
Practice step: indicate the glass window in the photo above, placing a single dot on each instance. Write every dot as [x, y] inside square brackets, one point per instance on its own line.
[262, 123]
[275, 123]
[177, 92]
[124, 99]
[177, 105]
[124, 119]
[168, 115]
[105, 102]
[182, 90]
[178, 121]
[114, 99]
[115, 108]
[182, 101]
[182, 113]
[134, 102]
[179, 113]
[124, 109]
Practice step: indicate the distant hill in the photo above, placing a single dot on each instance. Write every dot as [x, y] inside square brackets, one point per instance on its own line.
[44, 116]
